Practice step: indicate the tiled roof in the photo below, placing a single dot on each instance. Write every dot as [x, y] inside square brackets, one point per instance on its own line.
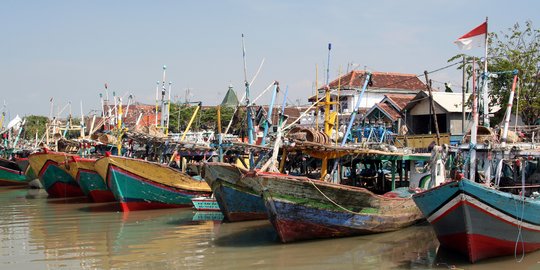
[387, 109]
[400, 100]
[293, 113]
[379, 80]
[147, 111]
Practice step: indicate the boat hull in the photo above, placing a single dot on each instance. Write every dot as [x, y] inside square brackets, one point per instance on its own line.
[53, 175]
[236, 200]
[481, 222]
[57, 182]
[91, 183]
[24, 165]
[303, 209]
[11, 175]
[141, 185]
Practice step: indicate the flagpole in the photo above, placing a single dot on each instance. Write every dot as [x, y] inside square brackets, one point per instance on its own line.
[485, 77]
[472, 144]
[486, 48]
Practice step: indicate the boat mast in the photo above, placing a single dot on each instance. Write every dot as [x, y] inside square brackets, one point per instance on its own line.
[268, 121]
[246, 83]
[168, 110]
[163, 92]
[327, 113]
[509, 110]
[355, 110]
[157, 103]
[119, 127]
[317, 97]
[327, 98]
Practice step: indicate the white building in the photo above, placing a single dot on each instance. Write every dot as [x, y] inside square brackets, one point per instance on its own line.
[381, 84]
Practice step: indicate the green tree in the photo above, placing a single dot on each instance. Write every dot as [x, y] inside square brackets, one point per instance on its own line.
[516, 49]
[34, 123]
[206, 118]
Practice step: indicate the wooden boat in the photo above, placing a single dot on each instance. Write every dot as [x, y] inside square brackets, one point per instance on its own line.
[24, 165]
[53, 175]
[11, 174]
[300, 208]
[91, 183]
[481, 222]
[237, 201]
[140, 185]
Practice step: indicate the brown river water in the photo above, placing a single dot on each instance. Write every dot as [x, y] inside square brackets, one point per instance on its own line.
[42, 233]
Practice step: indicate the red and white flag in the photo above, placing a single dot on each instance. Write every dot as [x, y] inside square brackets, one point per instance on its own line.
[475, 38]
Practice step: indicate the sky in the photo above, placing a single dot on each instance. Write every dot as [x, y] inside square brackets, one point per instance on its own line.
[67, 50]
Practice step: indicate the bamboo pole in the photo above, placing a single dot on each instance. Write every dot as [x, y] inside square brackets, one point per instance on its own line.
[119, 128]
[432, 106]
[338, 106]
[191, 121]
[317, 96]
[463, 117]
[509, 111]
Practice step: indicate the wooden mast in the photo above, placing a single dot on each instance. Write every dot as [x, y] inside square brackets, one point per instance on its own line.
[432, 106]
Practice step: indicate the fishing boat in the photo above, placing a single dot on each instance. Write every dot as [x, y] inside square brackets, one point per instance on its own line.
[24, 165]
[481, 222]
[141, 185]
[301, 208]
[11, 174]
[237, 201]
[91, 183]
[52, 173]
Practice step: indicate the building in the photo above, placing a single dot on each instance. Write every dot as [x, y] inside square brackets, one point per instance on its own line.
[447, 107]
[388, 112]
[380, 84]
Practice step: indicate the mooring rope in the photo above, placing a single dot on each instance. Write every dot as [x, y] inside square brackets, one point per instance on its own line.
[519, 238]
[343, 208]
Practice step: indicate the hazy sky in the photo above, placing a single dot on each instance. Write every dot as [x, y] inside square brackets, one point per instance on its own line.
[67, 50]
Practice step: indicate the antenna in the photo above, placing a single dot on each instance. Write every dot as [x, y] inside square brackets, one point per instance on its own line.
[157, 96]
[106, 93]
[328, 65]
[163, 92]
[244, 58]
[248, 111]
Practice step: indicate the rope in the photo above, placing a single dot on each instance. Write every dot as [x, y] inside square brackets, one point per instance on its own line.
[260, 95]
[343, 208]
[519, 238]
[305, 112]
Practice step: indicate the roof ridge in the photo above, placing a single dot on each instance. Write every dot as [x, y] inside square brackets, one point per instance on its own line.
[386, 73]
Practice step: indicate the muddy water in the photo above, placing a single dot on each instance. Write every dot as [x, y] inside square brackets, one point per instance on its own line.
[41, 233]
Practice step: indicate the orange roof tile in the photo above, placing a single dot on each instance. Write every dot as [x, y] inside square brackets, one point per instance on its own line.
[381, 80]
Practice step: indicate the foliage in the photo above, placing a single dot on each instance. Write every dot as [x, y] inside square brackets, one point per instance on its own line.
[206, 118]
[516, 49]
[73, 134]
[34, 123]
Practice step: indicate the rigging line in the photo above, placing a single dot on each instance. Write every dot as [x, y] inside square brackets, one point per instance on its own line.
[260, 95]
[256, 74]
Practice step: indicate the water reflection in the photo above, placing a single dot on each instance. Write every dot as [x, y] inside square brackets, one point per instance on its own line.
[41, 233]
